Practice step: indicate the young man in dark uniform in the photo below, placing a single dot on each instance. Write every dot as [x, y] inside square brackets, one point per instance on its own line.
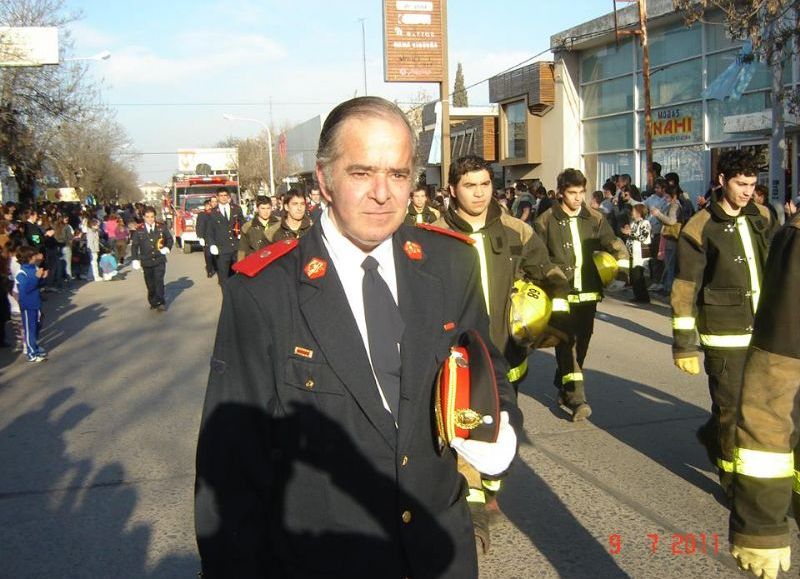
[508, 250]
[150, 246]
[318, 454]
[223, 228]
[295, 222]
[200, 227]
[572, 233]
[254, 232]
[721, 255]
[419, 210]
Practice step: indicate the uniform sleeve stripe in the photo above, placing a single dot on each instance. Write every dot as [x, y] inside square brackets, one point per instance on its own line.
[686, 323]
[560, 305]
[761, 464]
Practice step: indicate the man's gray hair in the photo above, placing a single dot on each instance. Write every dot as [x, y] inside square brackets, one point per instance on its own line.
[361, 107]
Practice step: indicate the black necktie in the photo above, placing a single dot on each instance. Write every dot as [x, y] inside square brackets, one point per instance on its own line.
[384, 331]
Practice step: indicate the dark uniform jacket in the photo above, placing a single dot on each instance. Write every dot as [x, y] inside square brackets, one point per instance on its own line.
[224, 233]
[713, 291]
[254, 237]
[201, 223]
[769, 419]
[427, 215]
[281, 230]
[513, 251]
[146, 246]
[595, 234]
[301, 471]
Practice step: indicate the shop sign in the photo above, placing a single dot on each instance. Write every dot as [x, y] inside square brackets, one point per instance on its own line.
[675, 125]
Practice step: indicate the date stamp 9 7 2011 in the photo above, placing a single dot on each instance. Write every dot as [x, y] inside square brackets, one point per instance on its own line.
[681, 544]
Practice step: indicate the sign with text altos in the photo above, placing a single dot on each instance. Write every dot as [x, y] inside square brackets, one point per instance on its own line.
[413, 41]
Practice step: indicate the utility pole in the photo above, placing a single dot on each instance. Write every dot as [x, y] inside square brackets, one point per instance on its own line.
[444, 95]
[641, 32]
[364, 53]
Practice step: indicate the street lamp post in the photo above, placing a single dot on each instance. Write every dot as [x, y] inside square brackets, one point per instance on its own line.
[104, 55]
[269, 145]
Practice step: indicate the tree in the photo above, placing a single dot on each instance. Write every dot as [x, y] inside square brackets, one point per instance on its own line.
[36, 101]
[253, 164]
[92, 155]
[772, 28]
[460, 98]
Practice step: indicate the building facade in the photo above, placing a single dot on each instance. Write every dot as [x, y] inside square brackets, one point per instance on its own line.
[602, 81]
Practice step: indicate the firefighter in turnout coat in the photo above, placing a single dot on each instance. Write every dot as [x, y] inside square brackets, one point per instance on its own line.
[572, 233]
[766, 478]
[717, 290]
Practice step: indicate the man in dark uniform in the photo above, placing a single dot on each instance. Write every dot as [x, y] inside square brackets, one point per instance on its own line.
[223, 229]
[201, 225]
[149, 248]
[721, 255]
[254, 232]
[419, 209]
[295, 222]
[572, 233]
[318, 456]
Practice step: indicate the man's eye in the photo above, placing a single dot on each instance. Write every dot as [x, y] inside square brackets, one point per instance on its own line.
[359, 174]
[399, 176]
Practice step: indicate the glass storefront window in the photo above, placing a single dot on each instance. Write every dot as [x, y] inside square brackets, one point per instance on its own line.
[717, 37]
[607, 62]
[762, 79]
[608, 133]
[718, 110]
[516, 130]
[674, 125]
[611, 96]
[599, 168]
[674, 43]
[688, 162]
[673, 83]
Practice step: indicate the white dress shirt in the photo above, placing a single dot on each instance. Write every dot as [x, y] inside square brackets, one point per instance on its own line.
[347, 259]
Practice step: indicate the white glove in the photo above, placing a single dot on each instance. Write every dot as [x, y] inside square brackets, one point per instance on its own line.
[136, 264]
[763, 562]
[202, 242]
[490, 458]
[164, 250]
[213, 250]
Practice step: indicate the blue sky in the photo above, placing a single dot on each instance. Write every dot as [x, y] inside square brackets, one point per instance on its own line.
[304, 55]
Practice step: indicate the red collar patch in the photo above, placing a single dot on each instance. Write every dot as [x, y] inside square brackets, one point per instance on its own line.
[316, 268]
[413, 250]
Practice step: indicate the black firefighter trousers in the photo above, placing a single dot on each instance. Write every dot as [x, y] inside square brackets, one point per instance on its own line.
[570, 355]
[725, 370]
[154, 280]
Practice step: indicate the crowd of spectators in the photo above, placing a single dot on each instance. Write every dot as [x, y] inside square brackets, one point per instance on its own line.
[62, 243]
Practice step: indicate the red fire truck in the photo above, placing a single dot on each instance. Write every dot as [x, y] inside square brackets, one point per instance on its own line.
[188, 193]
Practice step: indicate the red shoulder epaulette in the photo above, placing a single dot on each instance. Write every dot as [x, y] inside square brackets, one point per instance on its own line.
[449, 232]
[258, 260]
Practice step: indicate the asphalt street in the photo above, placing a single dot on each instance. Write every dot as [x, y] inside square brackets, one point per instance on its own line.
[97, 447]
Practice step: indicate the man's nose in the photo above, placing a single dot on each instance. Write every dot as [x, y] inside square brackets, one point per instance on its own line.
[380, 188]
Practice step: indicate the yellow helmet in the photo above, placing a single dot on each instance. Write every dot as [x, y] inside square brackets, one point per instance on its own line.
[606, 266]
[529, 313]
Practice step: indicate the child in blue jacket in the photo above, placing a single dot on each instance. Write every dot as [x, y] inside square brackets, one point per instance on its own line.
[29, 279]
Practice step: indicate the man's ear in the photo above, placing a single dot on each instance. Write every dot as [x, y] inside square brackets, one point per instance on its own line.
[323, 185]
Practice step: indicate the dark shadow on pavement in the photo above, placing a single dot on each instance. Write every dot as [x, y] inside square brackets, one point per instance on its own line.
[658, 425]
[532, 507]
[174, 288]
[58, 520]
[634, 327]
